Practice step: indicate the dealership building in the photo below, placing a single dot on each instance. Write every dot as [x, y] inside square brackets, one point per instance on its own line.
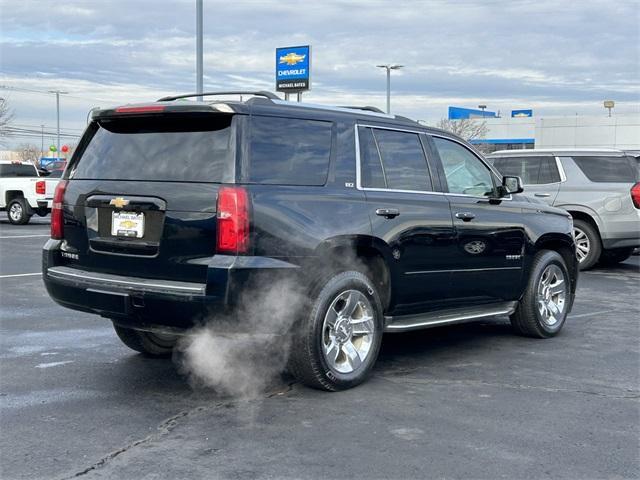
[522, 129]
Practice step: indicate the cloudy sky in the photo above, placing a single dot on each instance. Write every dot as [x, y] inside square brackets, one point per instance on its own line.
[557, 57]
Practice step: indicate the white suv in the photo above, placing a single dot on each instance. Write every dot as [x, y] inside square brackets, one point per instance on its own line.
[599, 187]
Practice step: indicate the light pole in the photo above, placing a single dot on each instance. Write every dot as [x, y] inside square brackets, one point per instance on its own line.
[199, 48]
[388, 68]
[483, 108]
[58, 93]
[42, 142]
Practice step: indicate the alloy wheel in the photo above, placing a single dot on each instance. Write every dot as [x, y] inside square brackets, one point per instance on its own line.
[348, 331]
[583, 244]
[551, 295]
[15, 212]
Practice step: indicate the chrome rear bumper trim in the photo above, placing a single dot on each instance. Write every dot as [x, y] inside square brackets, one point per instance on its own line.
[88, 279]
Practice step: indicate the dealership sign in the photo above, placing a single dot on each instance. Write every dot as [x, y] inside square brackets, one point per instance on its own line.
[293, 69]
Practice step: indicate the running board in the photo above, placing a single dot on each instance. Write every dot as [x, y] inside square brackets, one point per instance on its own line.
[405, 323]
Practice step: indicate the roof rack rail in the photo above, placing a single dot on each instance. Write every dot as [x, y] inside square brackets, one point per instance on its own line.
[261, 93]
[367, 108]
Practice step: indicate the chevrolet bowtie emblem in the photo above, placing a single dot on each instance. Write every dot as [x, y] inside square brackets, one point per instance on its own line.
[119, 202]
[291, 58]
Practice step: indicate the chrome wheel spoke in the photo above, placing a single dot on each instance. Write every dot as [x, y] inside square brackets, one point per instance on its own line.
[331, 317]
[332, 351]
[353, 357]
[362, 325]
[351, 303]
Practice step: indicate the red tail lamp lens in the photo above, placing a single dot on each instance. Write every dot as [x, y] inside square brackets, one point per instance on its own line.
[233, 220]
[57, 218]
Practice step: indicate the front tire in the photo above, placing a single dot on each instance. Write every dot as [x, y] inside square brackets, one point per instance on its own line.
[543, 308]
[18, 212]
[337, 340]
[150, 344]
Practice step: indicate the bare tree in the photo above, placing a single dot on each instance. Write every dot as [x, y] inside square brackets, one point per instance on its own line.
[467, 128]
[28, 152]
[6, 117]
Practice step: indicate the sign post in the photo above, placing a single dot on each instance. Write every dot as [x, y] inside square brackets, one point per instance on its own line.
[293, 70]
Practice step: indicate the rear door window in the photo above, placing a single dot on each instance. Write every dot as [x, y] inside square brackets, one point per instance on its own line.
[606, 168]
[288, 151]
[395, 160]
[170, 148]
[17, 170]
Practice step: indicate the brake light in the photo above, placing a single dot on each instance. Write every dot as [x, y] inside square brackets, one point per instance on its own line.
[635, 194]
[233, 220]
[41, 187]
[57, 219]
[147, 109]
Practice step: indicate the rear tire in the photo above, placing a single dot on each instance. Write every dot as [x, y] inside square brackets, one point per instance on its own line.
[615, 255]
[147, 343]
[588, 244]
[18, 211]
[336, 341]
[543, 308]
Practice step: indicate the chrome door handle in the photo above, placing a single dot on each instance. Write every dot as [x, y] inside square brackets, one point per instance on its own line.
[542, 194]
[465, 216]
[387, 212]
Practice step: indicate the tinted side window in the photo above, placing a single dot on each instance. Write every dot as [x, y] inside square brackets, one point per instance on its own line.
[532, 170]
[17, 170]
[288, 151]
[548, 171]
[370, 163]
[465, 173]
[606, 169]
[403, 159]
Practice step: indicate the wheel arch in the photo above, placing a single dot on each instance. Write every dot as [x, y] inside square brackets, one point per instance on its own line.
[11, 195]
[579, 212]
[360, 253]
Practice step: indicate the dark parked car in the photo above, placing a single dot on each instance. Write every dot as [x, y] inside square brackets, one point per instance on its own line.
[171, 214]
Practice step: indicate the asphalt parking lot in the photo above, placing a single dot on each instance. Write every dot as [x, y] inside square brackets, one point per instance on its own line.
[471, 401]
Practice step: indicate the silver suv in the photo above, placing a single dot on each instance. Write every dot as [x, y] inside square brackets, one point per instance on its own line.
[599, 187]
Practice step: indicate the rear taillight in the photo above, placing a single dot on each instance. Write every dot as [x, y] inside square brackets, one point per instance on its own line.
[233, 220]
[635, 194]
[57, 219]
[41, 187]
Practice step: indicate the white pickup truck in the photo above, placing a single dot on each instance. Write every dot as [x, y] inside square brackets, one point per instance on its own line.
[23, 191]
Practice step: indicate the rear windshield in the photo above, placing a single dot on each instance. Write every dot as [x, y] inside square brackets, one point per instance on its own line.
[288, 151]
[17, 170]
[170, 148]
[607, 169]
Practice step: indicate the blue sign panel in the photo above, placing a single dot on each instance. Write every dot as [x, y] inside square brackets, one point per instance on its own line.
[521, 113]
[293, 69]
[459, 113]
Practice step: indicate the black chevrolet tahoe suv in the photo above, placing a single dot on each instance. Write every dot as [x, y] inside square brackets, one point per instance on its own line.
[172, 214]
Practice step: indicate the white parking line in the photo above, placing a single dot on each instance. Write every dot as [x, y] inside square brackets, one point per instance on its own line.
[20, 275]
[25, 236]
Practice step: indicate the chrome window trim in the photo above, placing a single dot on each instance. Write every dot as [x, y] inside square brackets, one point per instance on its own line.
[563, 175]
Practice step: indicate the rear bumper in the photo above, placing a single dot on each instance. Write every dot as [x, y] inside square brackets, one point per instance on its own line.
[156, 304]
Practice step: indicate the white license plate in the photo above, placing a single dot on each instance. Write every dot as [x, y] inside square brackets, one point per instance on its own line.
[127, 224]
